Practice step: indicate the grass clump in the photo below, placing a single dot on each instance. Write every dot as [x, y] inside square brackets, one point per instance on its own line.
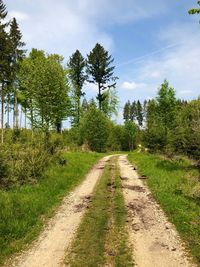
[175, 185]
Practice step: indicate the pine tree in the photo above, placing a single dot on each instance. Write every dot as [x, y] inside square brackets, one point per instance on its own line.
[133, 111]
[139, 114]
[100, 71]
[77, 77]
[126, 112]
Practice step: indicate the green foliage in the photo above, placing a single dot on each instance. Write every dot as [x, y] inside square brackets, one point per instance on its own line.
[195, 10]
[110, 103]
[160, 119]
[133, 112]
[187, 132]
[95, 129]
[126, 112]
[100, 71]
[43, 81]
[139, 113]
[154, 135]
[117, 138]
[130, 130]
[22, 164]
[167, 104]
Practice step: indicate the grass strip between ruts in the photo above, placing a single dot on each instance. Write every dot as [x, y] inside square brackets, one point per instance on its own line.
[101, 237]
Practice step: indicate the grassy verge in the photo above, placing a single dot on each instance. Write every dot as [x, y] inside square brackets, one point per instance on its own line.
[174, 185]
[101, 237]
[24, 210]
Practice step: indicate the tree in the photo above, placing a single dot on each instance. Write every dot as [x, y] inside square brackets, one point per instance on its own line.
[77, 77]
[186, 138]
[167, 104]
[126, 112]
[139, 113]
[195, 10]
[95, 129]
[84, 106]
[130, 134]
[17, 55]
[154, 135]
[100, 71]
[44, 82]
[133, 111]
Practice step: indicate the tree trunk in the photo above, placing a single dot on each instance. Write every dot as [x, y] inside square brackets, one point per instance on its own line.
[25, 117]
[8, 112]
[2, 113]
[16, 113]
[59, 127]
[20, 121]
[99, 97]
[78, 112]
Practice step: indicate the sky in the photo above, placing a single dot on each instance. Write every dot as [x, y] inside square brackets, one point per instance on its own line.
[149, 40]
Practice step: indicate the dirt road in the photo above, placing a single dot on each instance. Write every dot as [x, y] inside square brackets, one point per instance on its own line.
[154, 241]
[49, 250]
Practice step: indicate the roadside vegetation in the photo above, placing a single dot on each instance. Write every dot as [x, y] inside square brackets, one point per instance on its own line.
[24, 209]
[175, 185]
[102, 238]
[168, 125]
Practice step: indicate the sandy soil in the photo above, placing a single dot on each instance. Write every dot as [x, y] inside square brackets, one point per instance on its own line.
[154, 241]
[49, 250]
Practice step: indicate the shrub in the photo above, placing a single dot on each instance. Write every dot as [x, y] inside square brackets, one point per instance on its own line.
[95, 129]
[20, 164]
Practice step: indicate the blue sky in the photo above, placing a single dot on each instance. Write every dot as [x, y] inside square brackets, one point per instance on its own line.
[150, 40]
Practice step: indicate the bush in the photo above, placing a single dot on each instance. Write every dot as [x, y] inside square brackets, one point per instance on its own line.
[20, 164]
[95, 129]
[4, 169]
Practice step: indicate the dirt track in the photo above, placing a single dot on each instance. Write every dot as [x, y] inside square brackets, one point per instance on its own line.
[49, 250]
[154, 241]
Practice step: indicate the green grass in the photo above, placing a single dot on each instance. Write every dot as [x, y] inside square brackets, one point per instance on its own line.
[119, 236]
[101, 237]
[23, 211]
[171, 183]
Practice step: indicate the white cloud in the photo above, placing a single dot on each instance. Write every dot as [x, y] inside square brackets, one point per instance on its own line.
[63, 26]
[132, 85]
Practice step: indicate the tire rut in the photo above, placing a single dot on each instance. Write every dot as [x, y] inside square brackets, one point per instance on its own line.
[155, 242]
[49, 249]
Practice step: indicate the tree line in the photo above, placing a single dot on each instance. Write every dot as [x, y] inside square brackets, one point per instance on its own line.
[167, 124]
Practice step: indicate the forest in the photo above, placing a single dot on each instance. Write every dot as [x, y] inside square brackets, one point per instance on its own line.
[41, 158]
